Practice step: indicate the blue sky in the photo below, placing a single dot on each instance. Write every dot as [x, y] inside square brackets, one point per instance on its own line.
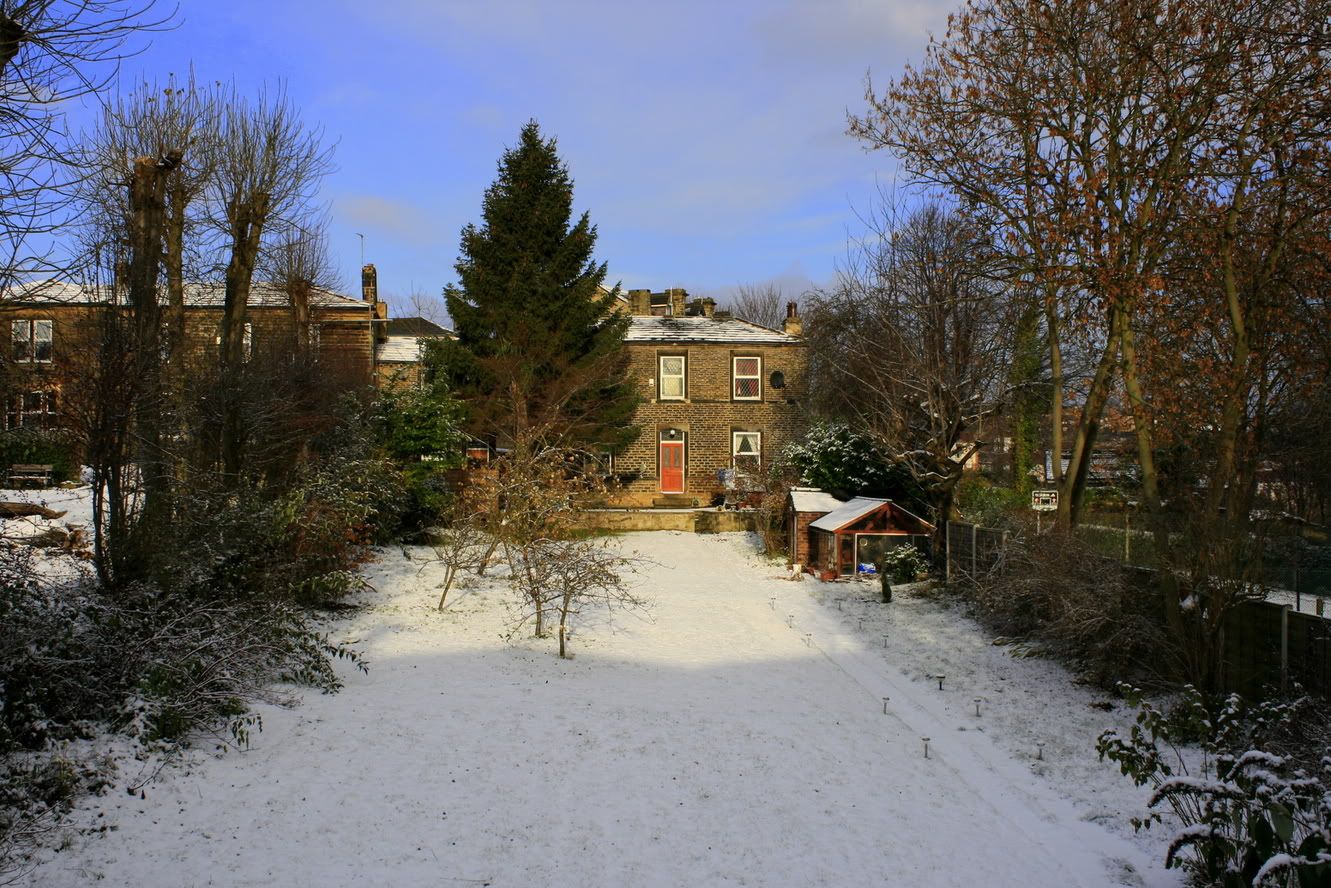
[706, 139]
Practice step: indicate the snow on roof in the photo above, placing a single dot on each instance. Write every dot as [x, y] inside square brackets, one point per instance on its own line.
[399, 350]
[263, 294]
[811, 499]
[703, 329]
[848, 513]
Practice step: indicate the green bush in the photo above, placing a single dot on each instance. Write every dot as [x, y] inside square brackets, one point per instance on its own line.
[904, 563]
[846, 463]
[982, 502]
[39, 447]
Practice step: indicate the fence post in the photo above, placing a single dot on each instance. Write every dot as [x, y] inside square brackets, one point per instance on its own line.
[1284, 648]
[947, 549]
[974, 552]
[1127, 536]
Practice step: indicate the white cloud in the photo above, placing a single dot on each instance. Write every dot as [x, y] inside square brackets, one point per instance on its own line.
[399, 220]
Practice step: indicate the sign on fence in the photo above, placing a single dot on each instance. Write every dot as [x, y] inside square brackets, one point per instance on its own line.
[1044, 500]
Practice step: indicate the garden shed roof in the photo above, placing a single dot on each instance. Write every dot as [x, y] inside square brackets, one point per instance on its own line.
[811, 499]
[849, 513]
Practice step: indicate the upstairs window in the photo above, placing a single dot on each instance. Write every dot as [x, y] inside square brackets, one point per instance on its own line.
[33, 340]
[670, 384]
[748, 376]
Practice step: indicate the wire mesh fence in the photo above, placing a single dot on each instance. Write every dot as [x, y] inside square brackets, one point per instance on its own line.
[1282, 643]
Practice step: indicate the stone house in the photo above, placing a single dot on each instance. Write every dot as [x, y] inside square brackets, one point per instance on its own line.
[720, 398]
[398, 356]
[53, 331]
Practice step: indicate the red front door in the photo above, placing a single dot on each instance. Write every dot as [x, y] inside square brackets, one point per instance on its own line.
[672, 466]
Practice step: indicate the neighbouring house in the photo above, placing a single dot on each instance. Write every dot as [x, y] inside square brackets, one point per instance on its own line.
[805, 505]
[860, 531]
[399, 357]
[53, 332]
[720, 397]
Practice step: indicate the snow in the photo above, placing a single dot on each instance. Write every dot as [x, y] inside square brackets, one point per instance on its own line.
[703, 329]
[737, 736]
[853, 510]
[811, 499]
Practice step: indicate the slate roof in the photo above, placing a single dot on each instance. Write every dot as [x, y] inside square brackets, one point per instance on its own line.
[704, 329]
[197, 295]
[848, 513]
[811, 499]
[416, 327]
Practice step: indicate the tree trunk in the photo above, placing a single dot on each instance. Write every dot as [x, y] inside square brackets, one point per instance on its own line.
[1141, 421]
[147, 220]
[1072, 491]
[247, 219]
[1057, 394]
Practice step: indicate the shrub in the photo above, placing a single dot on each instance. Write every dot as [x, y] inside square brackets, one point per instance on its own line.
[847, 463]
[904, 563]
[1081, 607]
[987, 504]
[39, 447]
[1246, 818]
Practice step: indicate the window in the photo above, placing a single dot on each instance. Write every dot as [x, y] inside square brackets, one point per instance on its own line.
[746, 450]
[316, 335]
[31, 410]
[247, 341]
[670, 387]
[748, 374]
[602, 463]
[33, 340]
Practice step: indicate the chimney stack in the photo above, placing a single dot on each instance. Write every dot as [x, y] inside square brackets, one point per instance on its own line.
[708, 307]
[369, 283]
[677, 297]
[793, 326]
[640, 303]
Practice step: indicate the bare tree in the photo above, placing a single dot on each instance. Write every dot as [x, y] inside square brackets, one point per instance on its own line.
[1155, 172]
[910, 344]
[762, 304]
[299, 263]
[268, 167]
[51, 53]
[574, 575]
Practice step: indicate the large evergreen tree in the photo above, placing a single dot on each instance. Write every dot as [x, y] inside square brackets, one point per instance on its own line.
[538, 352]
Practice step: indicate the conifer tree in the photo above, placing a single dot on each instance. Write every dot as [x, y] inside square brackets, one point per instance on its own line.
[538, 352]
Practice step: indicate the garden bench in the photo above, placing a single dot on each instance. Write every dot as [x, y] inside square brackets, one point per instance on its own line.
[20, 474]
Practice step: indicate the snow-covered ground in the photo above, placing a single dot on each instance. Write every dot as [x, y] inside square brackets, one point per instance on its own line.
[737, 736]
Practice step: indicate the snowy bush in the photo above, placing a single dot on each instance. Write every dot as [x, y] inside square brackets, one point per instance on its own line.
[1245, 817]
[903, 564]
[842, 461]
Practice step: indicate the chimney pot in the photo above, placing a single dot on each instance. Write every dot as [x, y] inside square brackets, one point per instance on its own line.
[792, 325]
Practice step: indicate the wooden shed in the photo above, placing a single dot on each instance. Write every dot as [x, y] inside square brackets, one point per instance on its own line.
[859, 532]
[805, 505]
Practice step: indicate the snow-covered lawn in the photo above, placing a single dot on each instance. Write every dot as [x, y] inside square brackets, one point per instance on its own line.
[737, 736]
